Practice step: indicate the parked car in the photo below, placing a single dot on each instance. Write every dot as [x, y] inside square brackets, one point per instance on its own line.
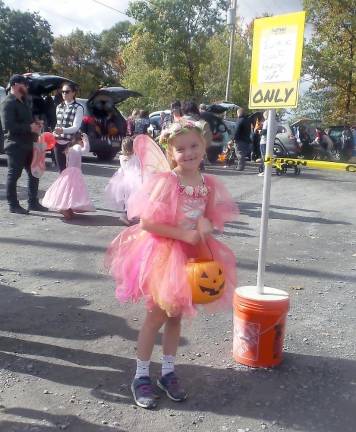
[155, 119]
[223, 129]
[103, 122]
[342, 138]
[285, 143]
[353, 129]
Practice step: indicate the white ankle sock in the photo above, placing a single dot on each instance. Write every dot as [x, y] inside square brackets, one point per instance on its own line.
[142, 368]
[167, 364]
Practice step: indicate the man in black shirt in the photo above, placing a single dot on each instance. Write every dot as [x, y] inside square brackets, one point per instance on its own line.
[19, 132]
[242, 138]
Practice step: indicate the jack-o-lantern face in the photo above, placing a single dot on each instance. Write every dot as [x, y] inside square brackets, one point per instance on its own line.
[207, 281]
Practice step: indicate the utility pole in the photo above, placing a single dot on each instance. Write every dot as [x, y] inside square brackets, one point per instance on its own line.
[231, 22]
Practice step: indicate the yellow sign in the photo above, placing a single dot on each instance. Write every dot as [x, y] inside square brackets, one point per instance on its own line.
[276, 61]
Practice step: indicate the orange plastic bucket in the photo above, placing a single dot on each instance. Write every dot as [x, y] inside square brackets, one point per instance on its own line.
[259, 326]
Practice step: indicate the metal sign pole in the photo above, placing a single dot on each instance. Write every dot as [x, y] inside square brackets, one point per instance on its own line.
[232, 23]
[271, 132]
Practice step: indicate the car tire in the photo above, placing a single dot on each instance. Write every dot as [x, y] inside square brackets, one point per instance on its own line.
[278, 150]
[106, 155]
[212, 154]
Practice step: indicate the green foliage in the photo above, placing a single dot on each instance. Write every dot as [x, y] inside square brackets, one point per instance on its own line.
[92, 60]
[155, 83]
[25, 43]
[213, 73]
[330, 55]
[315, 105]
[178, 35]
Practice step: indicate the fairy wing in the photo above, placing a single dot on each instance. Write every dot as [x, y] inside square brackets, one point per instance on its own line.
[151, 157]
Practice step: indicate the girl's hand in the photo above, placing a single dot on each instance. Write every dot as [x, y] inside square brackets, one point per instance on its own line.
[85, 138]
[204, 227]
[58, 131]
[191, 237]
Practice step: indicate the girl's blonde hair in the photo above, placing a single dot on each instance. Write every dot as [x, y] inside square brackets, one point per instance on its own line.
[127, 146]
[182, 126]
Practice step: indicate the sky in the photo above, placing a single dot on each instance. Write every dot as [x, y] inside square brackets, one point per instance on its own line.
[89, 15]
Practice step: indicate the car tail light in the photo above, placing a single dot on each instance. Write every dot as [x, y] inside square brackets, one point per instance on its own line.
[217, 136]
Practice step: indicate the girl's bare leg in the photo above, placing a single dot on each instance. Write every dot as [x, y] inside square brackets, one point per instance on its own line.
[148, 333]
[171, 336]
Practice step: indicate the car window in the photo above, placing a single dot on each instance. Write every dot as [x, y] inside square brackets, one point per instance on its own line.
[335, 133]
[155, 120]
[281, 129]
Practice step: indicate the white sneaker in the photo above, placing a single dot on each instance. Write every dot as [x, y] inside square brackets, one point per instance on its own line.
[261, 174]
[258, 160]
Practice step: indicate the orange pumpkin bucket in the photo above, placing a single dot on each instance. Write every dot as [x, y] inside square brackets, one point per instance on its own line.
[207, 280]
[259, 326]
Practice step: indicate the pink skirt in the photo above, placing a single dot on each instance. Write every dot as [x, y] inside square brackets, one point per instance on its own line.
[69, 191]
[120, 187]
[153, 268]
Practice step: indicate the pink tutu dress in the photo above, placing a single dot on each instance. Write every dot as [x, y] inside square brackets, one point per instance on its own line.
[151, 267]
[69, 191]
[124, 183]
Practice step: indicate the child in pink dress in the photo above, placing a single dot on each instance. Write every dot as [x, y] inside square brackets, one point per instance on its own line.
[69, 193]
[125, 181]
[178, 210]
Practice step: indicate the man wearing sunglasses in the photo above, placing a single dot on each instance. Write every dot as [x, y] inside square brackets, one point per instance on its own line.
[20, 132]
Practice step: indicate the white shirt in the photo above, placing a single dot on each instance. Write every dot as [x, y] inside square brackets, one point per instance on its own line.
[77, 122]
[264, 137]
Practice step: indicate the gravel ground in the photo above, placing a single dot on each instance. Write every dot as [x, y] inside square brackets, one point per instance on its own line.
[67, 348]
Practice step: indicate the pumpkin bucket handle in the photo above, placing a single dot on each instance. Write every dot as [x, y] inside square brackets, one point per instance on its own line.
[205, 252]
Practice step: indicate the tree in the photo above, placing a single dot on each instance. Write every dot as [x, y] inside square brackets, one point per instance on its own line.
[213, 73]
[316, 105]
[92, 60]
[179, 32]
[25, 42]
[330, 55]
[155, 83]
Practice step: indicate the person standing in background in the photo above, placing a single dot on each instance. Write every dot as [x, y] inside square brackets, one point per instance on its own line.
[131, 122]
[142, 122]
[263, 144]
[69, 120]
[176, 114]
[242, 138]
[20, 132]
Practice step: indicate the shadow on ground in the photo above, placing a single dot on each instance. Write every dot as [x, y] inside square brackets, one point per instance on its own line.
[253, 209]
[59, 317]
[305, 393]
[94, 220]
[58, 422]
[298, 270]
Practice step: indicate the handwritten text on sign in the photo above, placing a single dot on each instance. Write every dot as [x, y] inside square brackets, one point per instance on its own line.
[277, 55]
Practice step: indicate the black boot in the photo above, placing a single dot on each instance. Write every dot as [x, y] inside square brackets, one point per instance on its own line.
[16, 208]
[36, 206]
